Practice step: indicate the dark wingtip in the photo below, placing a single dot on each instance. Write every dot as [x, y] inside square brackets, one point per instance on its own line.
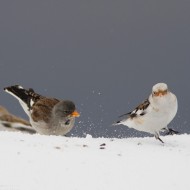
[9, 87]
[18, 91]
[125, 114]
[116, 123]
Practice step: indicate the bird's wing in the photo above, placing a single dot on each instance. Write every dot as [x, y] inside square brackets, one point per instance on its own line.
[140, 110]
[25, 97]
[41, 110]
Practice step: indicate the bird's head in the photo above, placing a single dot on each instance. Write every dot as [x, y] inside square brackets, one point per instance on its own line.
[66, 109]
[160, 90]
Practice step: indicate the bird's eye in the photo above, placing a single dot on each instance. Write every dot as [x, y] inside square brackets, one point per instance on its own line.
[66, 112]
[155, 93]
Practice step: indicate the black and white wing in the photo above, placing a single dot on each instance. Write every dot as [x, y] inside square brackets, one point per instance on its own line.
[25, 97]
[138, 111]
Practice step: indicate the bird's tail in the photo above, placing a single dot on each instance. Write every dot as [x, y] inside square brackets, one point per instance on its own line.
[117, 123]
[18, 92]
[121, 119]
[25, 97]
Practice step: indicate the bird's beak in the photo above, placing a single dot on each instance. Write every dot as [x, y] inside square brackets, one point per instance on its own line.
[75, 114]
[160, 94]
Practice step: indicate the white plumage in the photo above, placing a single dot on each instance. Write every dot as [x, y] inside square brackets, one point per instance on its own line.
[155, 113]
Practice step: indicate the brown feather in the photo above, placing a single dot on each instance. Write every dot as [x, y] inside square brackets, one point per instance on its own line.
[42, 109]
[14, 119]
[143, 106]
[8, 117]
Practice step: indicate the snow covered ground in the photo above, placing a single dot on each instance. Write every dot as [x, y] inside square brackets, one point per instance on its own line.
[31, 162]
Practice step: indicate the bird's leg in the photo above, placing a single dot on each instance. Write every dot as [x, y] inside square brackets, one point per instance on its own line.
[164, 129]
[160, 140]
[157, 137]
[171, 132]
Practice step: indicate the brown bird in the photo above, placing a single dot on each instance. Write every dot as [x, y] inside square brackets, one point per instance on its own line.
[11, 122]
[48, 116]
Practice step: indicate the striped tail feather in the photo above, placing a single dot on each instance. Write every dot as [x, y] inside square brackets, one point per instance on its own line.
[18, 92]
[25, 97]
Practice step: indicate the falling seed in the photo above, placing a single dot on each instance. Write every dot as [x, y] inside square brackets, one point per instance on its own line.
[103, 144]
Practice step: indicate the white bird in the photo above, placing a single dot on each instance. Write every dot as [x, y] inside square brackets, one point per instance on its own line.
[48, 116]
[154, 114]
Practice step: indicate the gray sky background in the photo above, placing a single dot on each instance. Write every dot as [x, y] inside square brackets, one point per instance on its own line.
[103, 55]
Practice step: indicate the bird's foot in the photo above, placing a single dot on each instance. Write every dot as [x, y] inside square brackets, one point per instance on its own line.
[158, 138]
[171, 132]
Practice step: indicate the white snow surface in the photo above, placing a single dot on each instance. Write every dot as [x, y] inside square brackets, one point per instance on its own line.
[33, 162]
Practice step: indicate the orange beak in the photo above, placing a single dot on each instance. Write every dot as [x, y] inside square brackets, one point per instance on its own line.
[75, 114]
[160, 93]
